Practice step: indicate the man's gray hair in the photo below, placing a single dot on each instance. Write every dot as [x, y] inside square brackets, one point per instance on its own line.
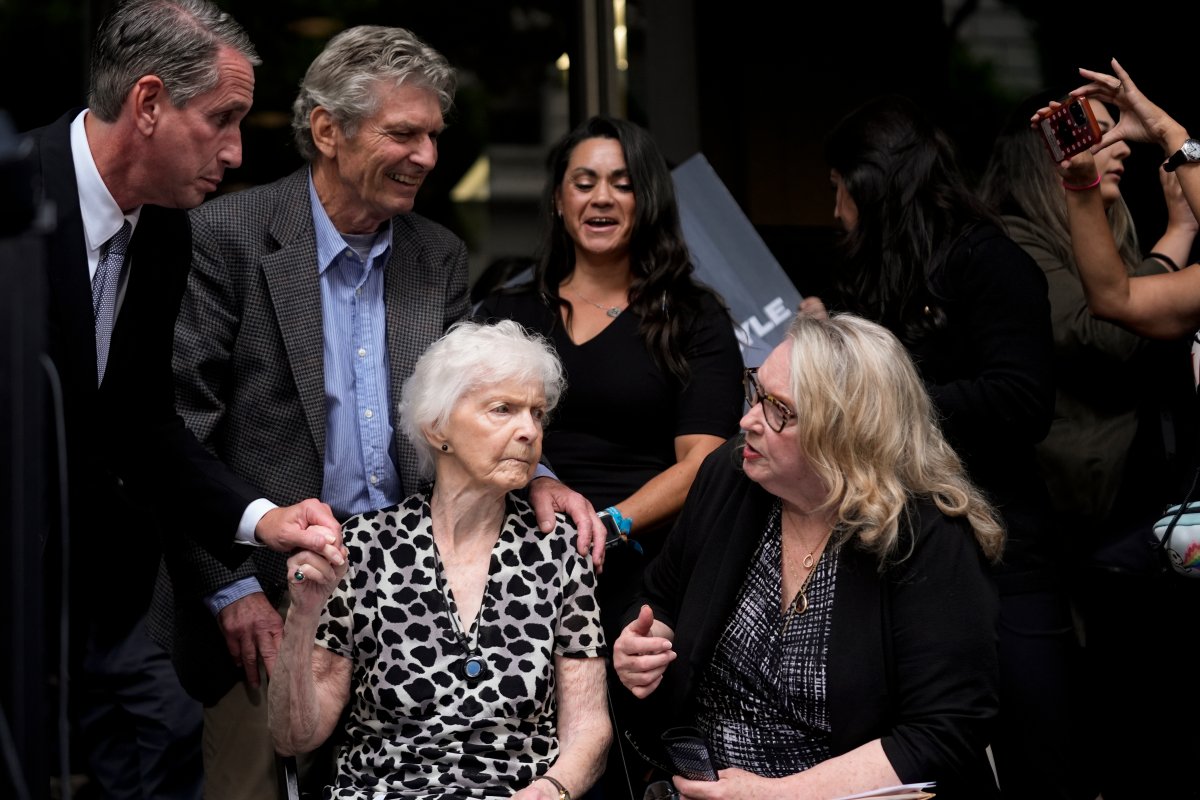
[177, 40]
[470, 355]
[344, 78]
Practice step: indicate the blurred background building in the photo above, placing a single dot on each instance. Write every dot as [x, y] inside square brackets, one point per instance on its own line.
[754, 85]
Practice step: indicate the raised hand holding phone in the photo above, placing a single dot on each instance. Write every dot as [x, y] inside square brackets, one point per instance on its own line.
[1069, 129]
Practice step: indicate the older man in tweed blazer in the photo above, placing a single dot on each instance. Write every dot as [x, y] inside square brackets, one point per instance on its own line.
[308, 304]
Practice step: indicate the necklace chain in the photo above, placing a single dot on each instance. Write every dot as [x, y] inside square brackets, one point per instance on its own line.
[799, 602]
[471, 646]
[612, 311]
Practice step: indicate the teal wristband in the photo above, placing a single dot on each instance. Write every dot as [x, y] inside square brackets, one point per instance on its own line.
[624, 523]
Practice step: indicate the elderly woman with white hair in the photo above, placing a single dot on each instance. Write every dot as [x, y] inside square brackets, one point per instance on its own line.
[466, 643]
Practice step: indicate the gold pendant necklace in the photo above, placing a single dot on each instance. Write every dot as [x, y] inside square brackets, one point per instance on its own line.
[799, 603]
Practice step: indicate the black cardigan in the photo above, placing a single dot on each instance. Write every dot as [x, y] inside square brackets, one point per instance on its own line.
[912, 652]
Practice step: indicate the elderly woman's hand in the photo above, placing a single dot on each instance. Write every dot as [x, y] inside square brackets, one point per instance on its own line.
[311, 581]
[642, 652]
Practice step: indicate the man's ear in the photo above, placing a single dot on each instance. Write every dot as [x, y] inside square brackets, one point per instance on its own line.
[325, 131]
[148, 99]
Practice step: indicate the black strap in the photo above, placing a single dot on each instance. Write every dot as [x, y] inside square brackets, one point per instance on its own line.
[1179, 512]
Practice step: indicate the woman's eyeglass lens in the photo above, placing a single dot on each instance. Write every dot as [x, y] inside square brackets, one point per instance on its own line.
[775, 412]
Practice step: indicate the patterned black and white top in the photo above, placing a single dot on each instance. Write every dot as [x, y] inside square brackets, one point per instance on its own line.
[762, 698]
[416, 728]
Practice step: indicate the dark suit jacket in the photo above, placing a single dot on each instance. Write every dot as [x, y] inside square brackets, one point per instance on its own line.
[249, 363]
[128, 453]
[911, 654]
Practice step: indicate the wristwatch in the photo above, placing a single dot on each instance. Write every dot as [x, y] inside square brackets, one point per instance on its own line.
[1189, 152]
[613, 535]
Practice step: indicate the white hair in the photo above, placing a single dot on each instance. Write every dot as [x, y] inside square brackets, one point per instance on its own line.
[470, 355]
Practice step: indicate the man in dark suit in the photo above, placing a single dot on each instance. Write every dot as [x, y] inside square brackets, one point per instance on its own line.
[309, 303]
[171, 81]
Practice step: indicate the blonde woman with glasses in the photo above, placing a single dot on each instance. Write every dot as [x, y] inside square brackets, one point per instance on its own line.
[823, 612]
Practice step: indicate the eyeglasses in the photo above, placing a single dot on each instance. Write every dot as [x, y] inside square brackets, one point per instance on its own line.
[775, 412]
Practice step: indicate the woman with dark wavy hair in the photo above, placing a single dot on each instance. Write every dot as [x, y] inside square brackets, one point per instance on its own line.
[924, 257]
[652, 361]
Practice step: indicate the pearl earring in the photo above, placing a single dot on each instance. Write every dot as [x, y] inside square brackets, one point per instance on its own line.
[445, 447]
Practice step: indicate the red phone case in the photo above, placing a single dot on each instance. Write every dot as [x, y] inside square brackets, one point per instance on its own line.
[1070, 129]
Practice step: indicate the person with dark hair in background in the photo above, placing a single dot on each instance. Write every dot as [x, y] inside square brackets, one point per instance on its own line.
[1106, 459]
[312, 298]
[651, 358]
[171, 81]
[1104, 373]
[822, 612]
[1163, 304]
[925, 258]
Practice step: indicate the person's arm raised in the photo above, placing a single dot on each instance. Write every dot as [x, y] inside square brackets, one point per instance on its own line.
[1141, 121]
[310, 685]
[1163, 306]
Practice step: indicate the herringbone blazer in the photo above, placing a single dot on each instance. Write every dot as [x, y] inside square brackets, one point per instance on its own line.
[249, 368]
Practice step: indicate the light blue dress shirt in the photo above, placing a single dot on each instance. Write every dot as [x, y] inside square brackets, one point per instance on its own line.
[360, 469]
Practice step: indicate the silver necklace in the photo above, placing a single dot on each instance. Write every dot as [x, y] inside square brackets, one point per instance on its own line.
[472, 668]
[612, 311]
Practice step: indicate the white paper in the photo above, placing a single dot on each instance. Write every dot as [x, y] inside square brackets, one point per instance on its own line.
[907, 790]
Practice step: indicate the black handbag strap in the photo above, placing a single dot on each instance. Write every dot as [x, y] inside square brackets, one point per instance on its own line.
[1179, 512]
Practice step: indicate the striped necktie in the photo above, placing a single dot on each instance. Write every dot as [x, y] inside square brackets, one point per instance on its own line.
[104, 293]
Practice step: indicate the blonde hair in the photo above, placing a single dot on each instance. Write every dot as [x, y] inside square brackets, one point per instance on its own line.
[867, 426]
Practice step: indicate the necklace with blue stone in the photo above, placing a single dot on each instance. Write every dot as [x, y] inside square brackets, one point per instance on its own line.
[472, 667]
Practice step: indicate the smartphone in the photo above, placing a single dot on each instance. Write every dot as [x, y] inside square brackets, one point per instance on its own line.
[1070, 129]
[689, 754]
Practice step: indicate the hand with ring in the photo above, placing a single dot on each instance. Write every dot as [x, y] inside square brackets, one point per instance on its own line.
[1140, 120]
[313, 580]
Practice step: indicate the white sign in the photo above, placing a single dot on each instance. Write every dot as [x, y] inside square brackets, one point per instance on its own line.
[731, 258]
